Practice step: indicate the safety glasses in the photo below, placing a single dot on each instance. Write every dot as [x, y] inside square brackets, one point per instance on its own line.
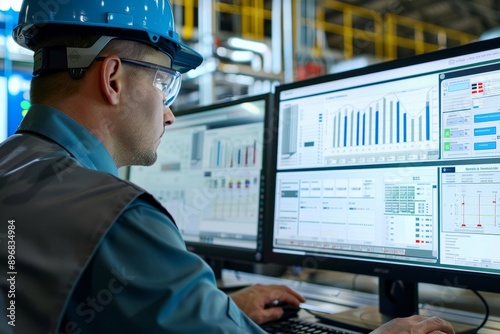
[166, 79]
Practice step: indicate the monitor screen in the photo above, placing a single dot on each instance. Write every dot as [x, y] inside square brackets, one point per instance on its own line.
[393, 170]
[209, 176]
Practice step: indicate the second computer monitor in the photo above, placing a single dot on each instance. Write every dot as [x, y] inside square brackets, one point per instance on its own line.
[209, 176]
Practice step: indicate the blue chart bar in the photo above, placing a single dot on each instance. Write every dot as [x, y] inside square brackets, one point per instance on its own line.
[370, 115]
[398, 126]
[364, 127]
[345, 131]
[404, 128]
[352, 127]
[357, 130]
[376, 127]
[427, 120]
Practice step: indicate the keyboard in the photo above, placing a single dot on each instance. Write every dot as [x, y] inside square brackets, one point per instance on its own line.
[299, 326]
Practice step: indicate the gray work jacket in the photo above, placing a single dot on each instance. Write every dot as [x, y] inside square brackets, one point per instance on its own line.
[43, 189]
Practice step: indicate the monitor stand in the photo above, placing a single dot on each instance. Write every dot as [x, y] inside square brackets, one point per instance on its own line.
[216, 264]
[396, 299]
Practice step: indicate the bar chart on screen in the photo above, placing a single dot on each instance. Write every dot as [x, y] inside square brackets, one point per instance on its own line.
[234, 148]
[395, 126]
[395, 121]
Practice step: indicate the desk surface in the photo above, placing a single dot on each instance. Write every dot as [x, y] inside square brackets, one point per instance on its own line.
[338, 300]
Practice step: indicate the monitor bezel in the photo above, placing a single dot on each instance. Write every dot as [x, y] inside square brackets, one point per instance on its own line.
[384, 271]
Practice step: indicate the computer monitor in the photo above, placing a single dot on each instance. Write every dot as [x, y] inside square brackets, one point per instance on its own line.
[209, 175]
[392, 170]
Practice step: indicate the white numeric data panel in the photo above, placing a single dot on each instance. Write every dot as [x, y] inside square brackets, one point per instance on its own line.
[384, 212]
[470, 215]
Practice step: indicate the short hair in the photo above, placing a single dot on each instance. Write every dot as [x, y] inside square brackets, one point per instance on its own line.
[58, 85]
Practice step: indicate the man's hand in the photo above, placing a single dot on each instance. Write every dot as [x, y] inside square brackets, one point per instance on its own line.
[415, 325]
[253, 300]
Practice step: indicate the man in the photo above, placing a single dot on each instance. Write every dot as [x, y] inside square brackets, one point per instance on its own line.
[86, 252]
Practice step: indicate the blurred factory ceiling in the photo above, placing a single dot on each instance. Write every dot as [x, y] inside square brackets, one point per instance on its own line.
[326, 49]
[470, 16]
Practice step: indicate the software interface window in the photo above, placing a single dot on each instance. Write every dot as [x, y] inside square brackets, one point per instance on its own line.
[401, 166]
[208, 173]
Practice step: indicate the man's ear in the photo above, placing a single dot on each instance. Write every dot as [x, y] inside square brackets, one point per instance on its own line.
[111, 76]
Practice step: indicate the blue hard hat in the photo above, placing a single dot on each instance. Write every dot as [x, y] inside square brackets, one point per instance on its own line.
[146, 21]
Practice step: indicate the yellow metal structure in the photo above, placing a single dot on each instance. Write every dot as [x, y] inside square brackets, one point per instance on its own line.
[384, 30]
[388, 32]
[443, 37]
[304, 38]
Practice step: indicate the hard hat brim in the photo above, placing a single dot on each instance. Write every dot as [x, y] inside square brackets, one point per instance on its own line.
[184, 58]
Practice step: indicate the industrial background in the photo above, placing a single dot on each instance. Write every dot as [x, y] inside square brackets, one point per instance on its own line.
[250, 46]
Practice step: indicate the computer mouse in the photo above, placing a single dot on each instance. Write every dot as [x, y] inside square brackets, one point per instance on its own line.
[289, 311]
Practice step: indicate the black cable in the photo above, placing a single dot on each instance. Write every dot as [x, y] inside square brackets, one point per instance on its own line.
[309, 311]
[486, 309]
